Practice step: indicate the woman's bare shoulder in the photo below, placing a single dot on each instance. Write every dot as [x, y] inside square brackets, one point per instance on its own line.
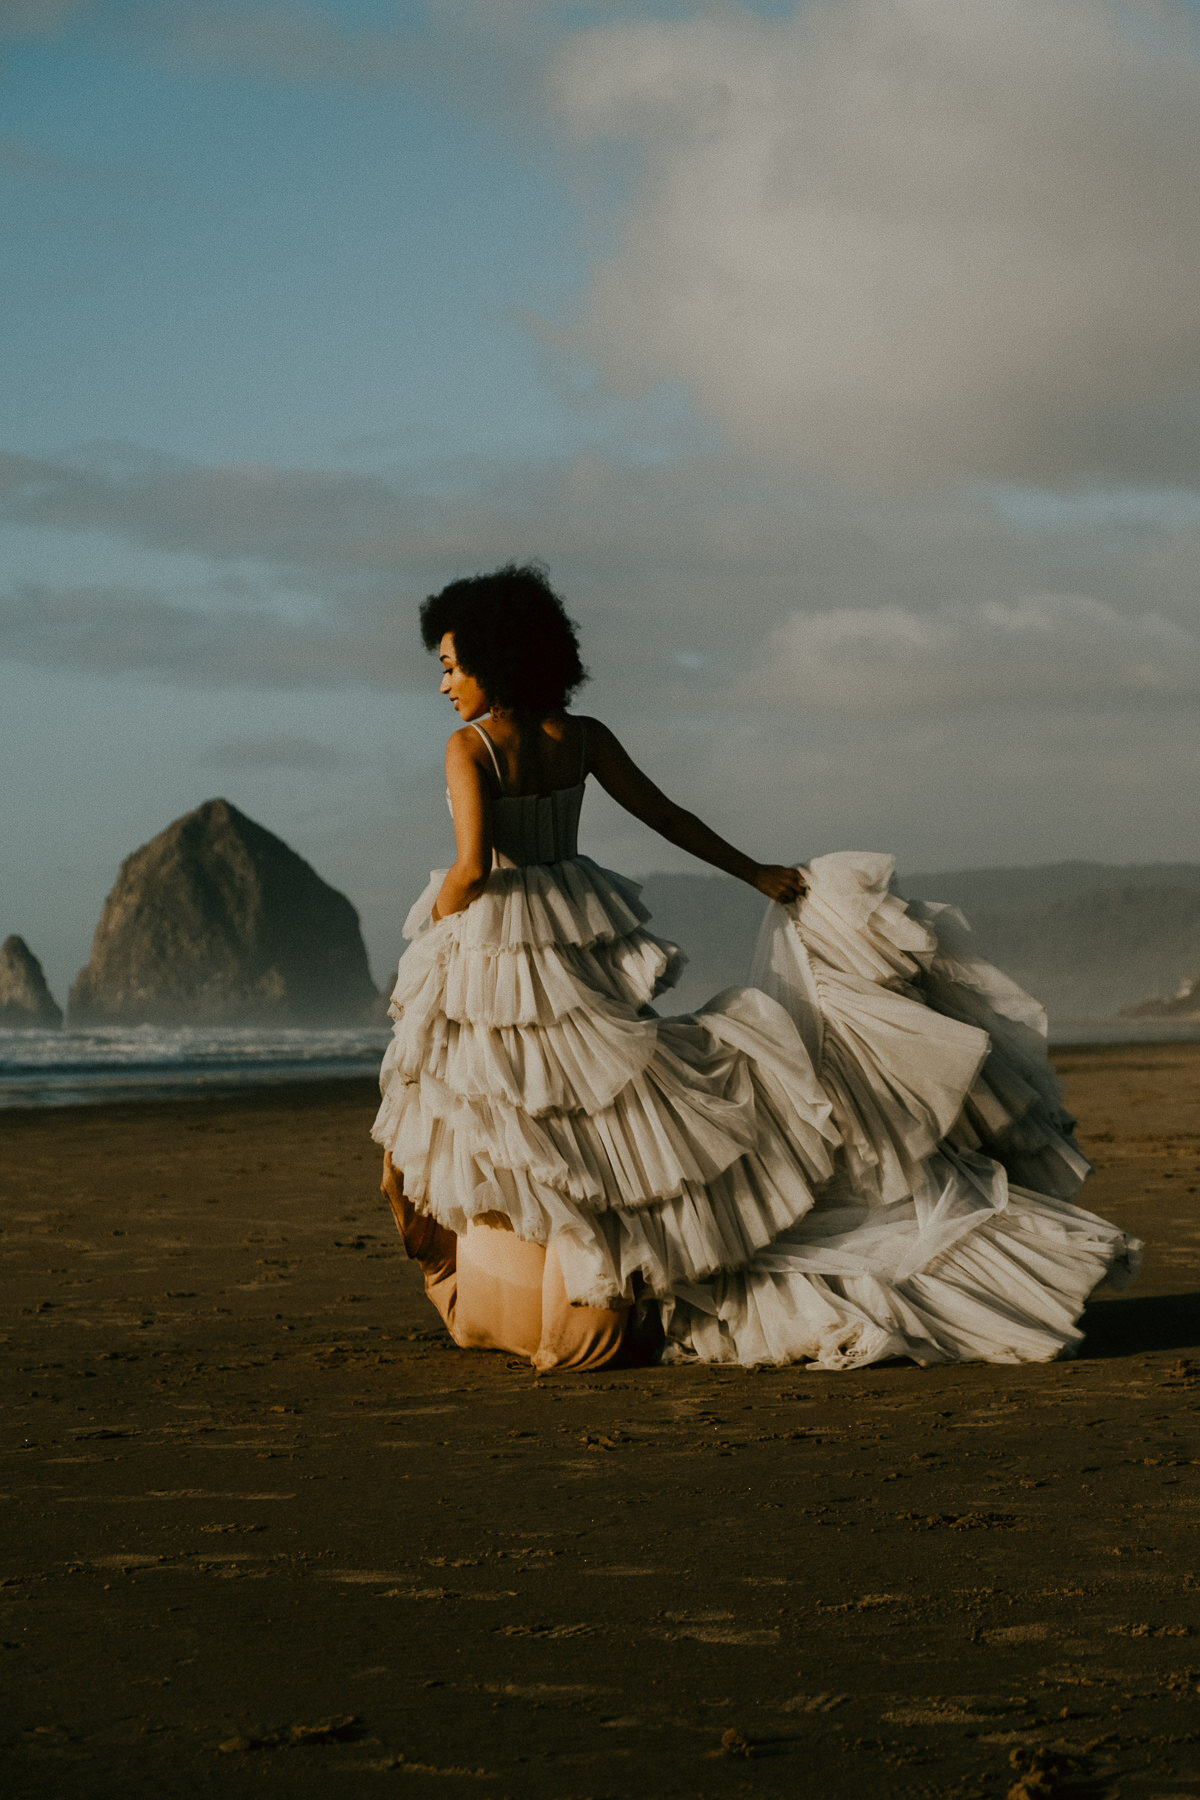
[595, 728]
[464, 746]
[602, 741]
[596, 741]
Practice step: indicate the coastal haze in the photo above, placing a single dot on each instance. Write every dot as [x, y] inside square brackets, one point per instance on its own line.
[223, 961]
[1090, 940]
[216, 921]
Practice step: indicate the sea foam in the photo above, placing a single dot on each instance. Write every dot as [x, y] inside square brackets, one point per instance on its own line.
[149, 1062]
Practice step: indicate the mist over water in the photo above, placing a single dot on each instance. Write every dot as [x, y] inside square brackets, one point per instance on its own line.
[107, 1064]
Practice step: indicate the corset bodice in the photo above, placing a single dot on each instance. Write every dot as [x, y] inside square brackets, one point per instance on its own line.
[536, 828]
[533, 828]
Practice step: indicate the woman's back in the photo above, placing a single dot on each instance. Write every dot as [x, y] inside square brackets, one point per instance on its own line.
[539, 774]
[536, 757]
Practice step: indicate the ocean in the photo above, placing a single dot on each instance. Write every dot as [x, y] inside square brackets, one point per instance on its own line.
[148, 1062]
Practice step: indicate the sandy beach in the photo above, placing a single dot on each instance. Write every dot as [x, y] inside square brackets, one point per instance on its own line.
[269, 1532]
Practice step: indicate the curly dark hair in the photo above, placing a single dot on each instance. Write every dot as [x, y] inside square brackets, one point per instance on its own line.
[512, 633]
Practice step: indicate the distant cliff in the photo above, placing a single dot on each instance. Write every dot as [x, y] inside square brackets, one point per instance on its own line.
[25, 1000]
[217, 921]
[1088, 939]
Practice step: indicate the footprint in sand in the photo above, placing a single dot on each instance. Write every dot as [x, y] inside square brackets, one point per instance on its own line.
[1016, 1634]
[709, 1628]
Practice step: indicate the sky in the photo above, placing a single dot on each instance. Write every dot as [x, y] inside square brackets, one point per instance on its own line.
[840, 359]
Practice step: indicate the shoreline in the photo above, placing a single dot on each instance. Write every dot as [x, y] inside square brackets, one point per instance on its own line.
[226, 1086]
[218, 1093]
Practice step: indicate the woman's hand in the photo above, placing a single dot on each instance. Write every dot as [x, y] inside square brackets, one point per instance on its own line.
[779, 882]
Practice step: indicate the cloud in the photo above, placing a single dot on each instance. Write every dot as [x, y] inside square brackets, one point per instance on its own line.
[680, 574]
[301, 517]
[292, 41]
[488, 45]
[17, 157]
[276, 40]
[275, 750]
[480, 56]
[280, 41]
[908, 239]
[957, 679]
[210, 638]
[39, 18]
[1057, 650]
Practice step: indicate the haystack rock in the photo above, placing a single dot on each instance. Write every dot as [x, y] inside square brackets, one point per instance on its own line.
[25, 1000]
[217, 921]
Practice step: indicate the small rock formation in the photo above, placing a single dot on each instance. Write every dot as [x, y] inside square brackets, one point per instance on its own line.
[25, 1000]
[1183, 1005]
[217, 921]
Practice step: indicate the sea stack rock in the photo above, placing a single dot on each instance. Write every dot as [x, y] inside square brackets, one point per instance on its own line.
[25, 1000]
[217, 921]
[1183, 1006]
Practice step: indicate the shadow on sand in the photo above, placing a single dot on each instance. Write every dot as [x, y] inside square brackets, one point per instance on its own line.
[1122, 1327]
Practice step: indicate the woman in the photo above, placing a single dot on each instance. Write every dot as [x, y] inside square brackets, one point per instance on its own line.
[863, 1155]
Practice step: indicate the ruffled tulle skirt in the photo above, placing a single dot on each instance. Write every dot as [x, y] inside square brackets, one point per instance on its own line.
[861, 1155]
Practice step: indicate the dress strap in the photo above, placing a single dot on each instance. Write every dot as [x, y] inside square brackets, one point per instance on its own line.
[582, 751]
[491, 751]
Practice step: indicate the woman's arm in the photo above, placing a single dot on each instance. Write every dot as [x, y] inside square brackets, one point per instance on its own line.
[471, 806]
[620, 776]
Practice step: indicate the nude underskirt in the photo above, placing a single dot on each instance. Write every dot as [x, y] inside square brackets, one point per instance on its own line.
[494, 1291]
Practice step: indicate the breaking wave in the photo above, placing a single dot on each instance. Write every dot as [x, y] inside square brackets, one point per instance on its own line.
[150, 1062]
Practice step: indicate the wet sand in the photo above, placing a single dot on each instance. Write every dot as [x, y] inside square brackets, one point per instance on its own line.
[269, 1532]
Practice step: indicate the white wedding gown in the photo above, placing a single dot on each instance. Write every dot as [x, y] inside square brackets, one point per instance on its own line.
[862, 1155]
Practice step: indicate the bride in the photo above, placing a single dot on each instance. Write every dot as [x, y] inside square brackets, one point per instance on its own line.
[862, 1155]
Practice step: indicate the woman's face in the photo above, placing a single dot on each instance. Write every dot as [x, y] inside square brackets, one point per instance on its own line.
[462, 690]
